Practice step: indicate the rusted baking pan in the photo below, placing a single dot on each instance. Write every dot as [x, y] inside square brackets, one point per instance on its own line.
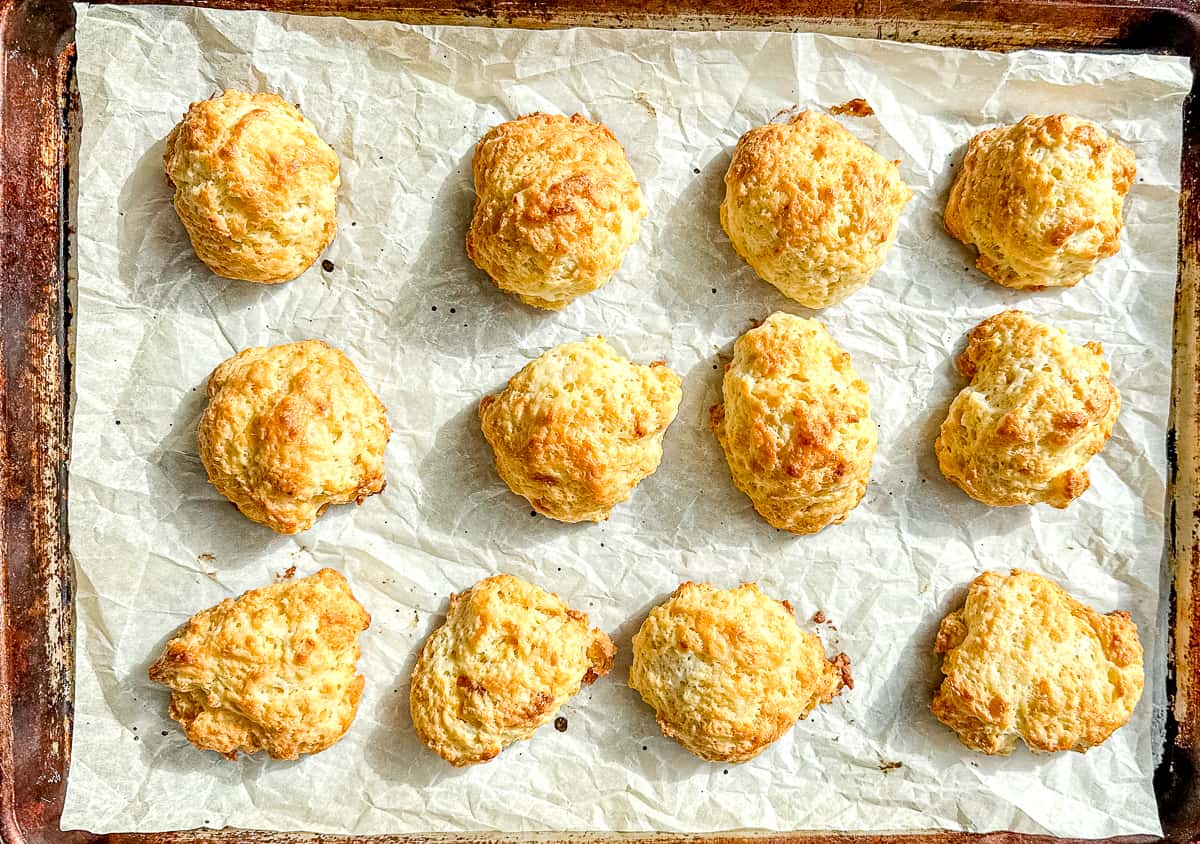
[37, 113]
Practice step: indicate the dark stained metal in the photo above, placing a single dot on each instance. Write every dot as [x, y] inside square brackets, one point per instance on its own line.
[36, 575]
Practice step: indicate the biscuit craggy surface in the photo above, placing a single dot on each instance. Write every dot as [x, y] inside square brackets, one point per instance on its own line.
[577, 429]
[1023, 659]
[509, 655]
[728, 671]
[1037, 409]
[795, 424]
[811, 208]
[556, 207]
[273, 670]
[255, 186]
[289, 430]
[1041, 200]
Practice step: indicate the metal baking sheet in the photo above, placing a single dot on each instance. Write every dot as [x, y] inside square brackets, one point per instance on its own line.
[36, 365]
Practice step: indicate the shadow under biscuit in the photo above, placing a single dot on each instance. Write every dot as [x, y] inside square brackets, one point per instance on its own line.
[393, 750]
[696, 214]
[451, 298]
[159, 739]
[146, 214]
[463, 488]
[230, 539]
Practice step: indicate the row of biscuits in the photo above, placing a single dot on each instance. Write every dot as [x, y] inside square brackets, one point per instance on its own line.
[810, 207]
[291, 429]
[727, 671]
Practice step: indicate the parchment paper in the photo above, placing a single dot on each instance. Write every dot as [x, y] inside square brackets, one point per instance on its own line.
[403, 107]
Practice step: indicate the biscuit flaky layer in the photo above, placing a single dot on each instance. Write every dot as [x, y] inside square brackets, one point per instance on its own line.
[811, 208]
[255, 186]
[577, 429]
[795, 424]
[728, 671]
[508, 657]
[1023, 659]
[556, 207]
[273, 670]
[1041, 200]
[1038, 408]
[289, 430]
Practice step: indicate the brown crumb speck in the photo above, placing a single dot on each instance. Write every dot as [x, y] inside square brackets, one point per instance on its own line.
[857, 107]
[887, 765]
[560, 724]
[206, 558]
[842, 663]
[819, 617]
[327, 265]
[286, 574]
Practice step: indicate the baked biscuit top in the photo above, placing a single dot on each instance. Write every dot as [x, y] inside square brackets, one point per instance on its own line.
[1041, 200]
[556, 206]
[811, 208]
[728, 671]
[577, 429]
[272, 670]
[255, 186]
[508, 657]
[289, 430]
[795, 424]
[1023, 659]
[1037, 409]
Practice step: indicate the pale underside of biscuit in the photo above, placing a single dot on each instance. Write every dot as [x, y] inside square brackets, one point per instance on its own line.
[811, 208]
[795, 425]
[273, 670]
[577, 429]
[1038, 408]
[557, 205]
[255, 186]
[728, 671]
[507, 658]
[1024, 660]
[289, 430]
[1041, 200]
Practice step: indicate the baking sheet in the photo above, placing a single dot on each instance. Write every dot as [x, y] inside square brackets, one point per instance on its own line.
[403, 107]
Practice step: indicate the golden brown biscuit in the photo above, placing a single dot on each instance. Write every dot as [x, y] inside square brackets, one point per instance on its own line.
[728, 671]
[795, 424]
[577, 429]
[1037, 409]
[507, 658]
[255, 186]
[1026, 660]
[289, 430]
[811, 208]
[1041, 200]
[556, 207]
[273, 670]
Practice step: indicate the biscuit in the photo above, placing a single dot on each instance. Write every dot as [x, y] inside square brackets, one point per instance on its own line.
[289, 430]
[507, 658]
[811, 208]
[273, 670]
[255, 186]
[1023, 659]
[795, 424]
[1037, 409]
[577, 429]
[1041, 200]
[556, 207]
[728, 671]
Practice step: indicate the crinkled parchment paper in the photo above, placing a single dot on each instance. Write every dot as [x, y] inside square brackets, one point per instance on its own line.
[403, 107]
